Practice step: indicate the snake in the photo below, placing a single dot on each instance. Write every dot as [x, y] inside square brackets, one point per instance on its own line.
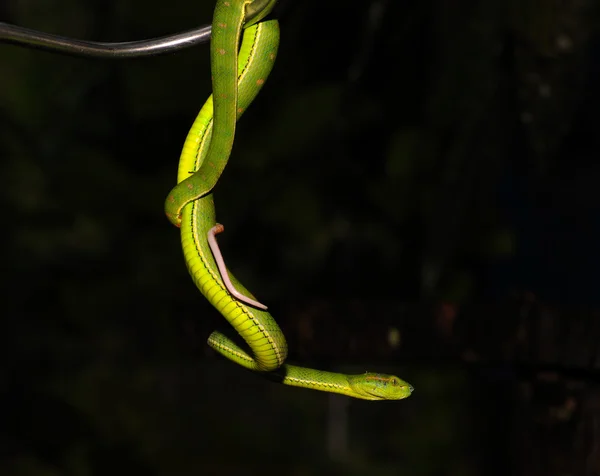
[190, 206]
[229, 18]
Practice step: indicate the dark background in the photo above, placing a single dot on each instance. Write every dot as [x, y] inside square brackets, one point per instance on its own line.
[414, 191]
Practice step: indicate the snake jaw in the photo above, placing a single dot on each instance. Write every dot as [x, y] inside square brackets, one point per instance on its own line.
[376, 386]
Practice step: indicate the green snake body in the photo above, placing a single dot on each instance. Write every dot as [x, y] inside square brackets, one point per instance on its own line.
[228, 22]
[195, 214]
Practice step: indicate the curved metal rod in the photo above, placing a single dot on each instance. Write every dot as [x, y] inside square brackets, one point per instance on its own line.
[20, 36]
[26, 37]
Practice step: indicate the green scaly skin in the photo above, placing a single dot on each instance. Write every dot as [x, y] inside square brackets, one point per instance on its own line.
[367, 386]
[257, 327]
[256, 58]
[228, 22]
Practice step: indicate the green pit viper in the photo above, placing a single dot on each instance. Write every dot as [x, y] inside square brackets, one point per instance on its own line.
[190, 206]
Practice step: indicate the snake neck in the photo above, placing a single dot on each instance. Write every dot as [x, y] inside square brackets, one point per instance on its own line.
[314, 379]
[367, 386]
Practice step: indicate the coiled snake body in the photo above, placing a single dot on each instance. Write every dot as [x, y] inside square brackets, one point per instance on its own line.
[190, 205]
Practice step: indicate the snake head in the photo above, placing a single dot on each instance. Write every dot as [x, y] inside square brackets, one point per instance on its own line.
[376, 386]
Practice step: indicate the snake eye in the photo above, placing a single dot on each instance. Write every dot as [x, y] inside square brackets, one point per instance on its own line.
[393, 381]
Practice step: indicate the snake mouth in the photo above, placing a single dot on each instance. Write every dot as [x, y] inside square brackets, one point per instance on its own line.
[407, 391]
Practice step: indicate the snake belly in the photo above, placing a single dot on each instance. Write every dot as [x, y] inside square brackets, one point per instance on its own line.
[257, 327]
